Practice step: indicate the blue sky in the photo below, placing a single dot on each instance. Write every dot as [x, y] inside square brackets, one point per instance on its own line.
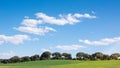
[29, 27]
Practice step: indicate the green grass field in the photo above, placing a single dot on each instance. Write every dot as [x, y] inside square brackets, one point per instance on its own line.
[64, 64]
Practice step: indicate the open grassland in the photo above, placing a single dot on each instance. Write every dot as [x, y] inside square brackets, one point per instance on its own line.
[64, 64]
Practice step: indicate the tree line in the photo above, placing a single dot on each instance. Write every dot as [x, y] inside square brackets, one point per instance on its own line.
[62, 56]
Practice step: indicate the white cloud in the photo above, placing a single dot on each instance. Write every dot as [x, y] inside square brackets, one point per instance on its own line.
[35, 30]
[69, 47]
[64, 19]
[51, 20]
[32, 26]
[7, 55]
[27, 17]
[71, 19]
[86, 15]
[1, 42]
[35, 39]
[43, 50]
[16, 39]
[31, 22]
[105, 41]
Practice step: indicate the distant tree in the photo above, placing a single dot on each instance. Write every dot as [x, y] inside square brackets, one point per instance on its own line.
[74, 59]
[25, 58]
[98, 56]
[14, 59]
[82, 56]
[66, 56]
[5, 61]
[106, 57]
[56, 55]
[0, 60]
[115, 56]
[35, 57]
[45, 55]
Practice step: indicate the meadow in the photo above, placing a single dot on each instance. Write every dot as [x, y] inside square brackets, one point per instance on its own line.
[64, 64]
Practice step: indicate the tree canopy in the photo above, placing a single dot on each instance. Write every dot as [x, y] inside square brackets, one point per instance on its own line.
[62, 56]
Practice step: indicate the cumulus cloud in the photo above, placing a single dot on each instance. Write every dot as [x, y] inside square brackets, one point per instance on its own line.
[16, 39]
[34, 26]
[105, 41]
[31, 22]
[69, 47]
[64, 19]
[35, 30]
[31, 26]
[51, 20]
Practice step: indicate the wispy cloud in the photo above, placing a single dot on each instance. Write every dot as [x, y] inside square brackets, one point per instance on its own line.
[105, 41]
[63, 19]
[69, 47]
[43, 50]
[35, 30]
[31, 22]
[1, 41]
[16, 39]
[31, 26]
[35, 39]
[34, 26]
[7, 55]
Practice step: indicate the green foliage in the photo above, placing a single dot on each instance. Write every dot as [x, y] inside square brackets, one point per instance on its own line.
[56, 55]
[82, 56]
[5, 61]
[66, 56]
[25, 58]
[14, 59]
[98, 56]
[115, 56]
[45, 55]
[0, 60]
[35, 57]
